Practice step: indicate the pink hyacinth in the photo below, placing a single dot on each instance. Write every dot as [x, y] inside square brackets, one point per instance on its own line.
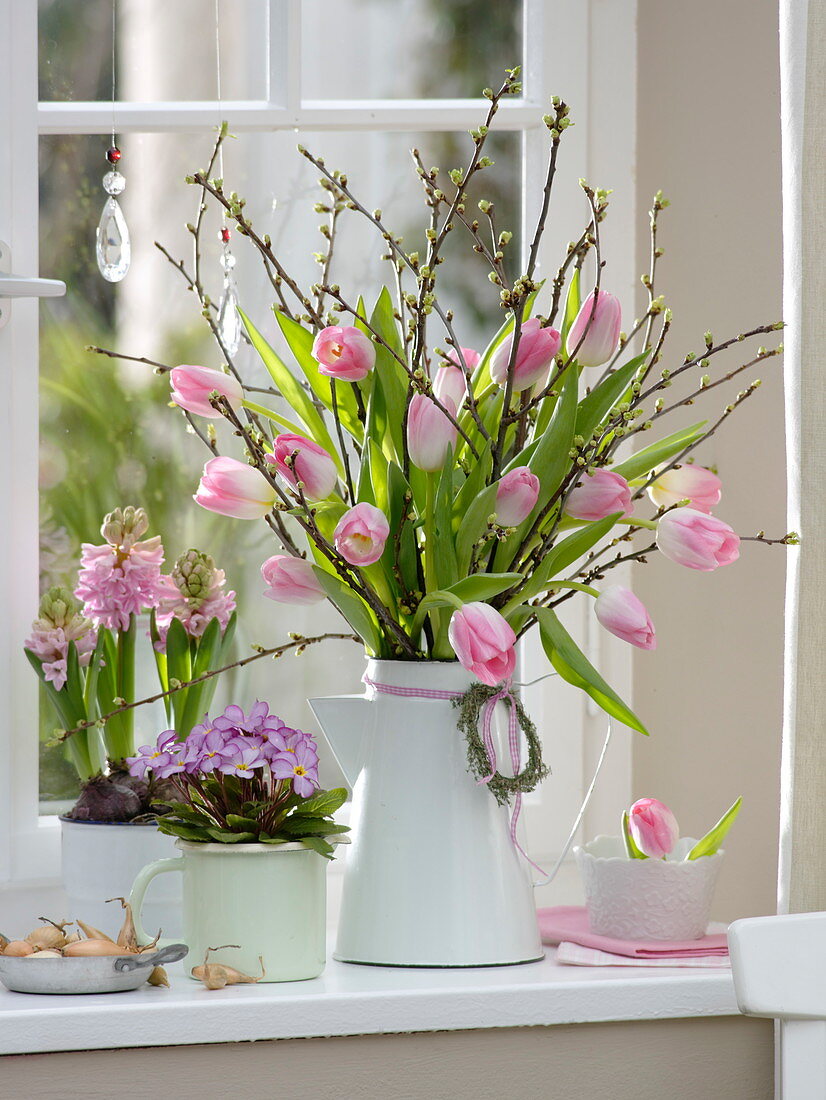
[344, 352]
[60, 622]
[361, 533]
[484, 642]
[699, 486]
[696, 540]
[653, 827]
[624, 615]
[121, 577]
[194, 616]
[598, 495]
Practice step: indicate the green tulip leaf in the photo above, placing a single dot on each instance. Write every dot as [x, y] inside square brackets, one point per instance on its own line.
[631, 849]
[646, 460]
[711, 842]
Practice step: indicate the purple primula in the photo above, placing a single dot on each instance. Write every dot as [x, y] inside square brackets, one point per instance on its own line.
[300, 765]
[243, 761]
[163, 760]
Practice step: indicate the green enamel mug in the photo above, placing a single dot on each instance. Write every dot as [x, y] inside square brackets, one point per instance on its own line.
[269, 900]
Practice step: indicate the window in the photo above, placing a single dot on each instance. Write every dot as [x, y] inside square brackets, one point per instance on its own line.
[280, 79]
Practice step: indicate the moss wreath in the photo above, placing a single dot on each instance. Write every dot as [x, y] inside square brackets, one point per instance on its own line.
[502, 787]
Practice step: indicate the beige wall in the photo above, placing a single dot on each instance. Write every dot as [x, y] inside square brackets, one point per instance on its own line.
[683, 1059]
[708, 133]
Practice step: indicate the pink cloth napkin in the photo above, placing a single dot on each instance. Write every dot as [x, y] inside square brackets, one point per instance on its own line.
[571, 954]
[569, 924]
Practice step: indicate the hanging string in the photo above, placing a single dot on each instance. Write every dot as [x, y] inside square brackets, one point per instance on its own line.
[114, 22]
[218, 91]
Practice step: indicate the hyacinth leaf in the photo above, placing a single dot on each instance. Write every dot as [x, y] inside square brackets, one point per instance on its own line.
[565, 553]
[631, 849]
[353, 608]
[598, 403]
[573, 300]
[179, 667]
[301, 345]
[323, 803]
[79, 746]
[318, 844]
[160, 662]
[646, 460]
[292, 391]
[711, 842]
[473, 525]
[574, 667]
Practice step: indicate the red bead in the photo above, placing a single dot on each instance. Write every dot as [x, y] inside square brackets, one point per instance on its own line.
[113, 154]
[225, 235]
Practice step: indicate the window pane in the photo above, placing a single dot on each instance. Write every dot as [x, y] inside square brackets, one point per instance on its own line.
[433, 49]
[164, 50]
[108, 437]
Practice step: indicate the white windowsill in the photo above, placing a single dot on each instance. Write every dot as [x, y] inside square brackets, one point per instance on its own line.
[360, 1000]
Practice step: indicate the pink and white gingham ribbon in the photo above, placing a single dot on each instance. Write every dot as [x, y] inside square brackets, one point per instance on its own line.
[505, 692]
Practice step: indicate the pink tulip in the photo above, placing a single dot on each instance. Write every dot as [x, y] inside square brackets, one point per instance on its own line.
[312, 466]
[484, 642]
[344, 352]
[694, 483]
[361, 533]
[623, 614]
[516, 495]
[598, 495]
[698, 541]
[534, 355]
[191, 387]
[291, 580]
[449, 384]
[232, 488]
[601, 330]
[429, 432]
[653, 827]
[470, 357]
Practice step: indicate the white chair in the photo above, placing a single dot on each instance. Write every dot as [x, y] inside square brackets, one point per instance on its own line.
[779, 970]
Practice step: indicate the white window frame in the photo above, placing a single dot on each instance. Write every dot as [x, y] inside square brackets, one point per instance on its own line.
[567, 49]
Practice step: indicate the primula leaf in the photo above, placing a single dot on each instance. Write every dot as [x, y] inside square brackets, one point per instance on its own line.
[574, 667]
[185, 832]
[600, 401]
[291, 390]
[318, 844]
[226, 836]
[352, 607]
[323, 803]
[277, 839]
[245, 824]
[299, 826]
[631, 849]
[650, 457]
[714, 837]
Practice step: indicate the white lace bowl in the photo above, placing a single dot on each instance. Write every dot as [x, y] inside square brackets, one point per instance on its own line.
[647, 899]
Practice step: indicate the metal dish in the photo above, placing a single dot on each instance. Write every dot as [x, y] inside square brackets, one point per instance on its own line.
[84, 974]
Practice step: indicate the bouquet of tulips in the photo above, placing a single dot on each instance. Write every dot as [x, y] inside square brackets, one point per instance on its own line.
[447, 499]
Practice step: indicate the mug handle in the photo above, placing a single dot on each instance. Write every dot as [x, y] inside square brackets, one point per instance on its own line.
[138, 891]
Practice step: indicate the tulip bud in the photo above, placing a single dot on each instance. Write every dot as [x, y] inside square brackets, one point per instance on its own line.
[484, 642]
[361, 533]
[624, 615]
[598, 495]
[344, 352]
[653, 827]
[693, 483]
[697, 540]
[191, 387]
[600, 327]
[291, 580]
[429, 432]
[449, 383]
[231, 488]
[516, 496]
[534, 355]
[309, 464]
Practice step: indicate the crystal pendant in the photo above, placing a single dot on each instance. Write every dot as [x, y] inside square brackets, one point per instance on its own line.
[229, 320]
[114, 249]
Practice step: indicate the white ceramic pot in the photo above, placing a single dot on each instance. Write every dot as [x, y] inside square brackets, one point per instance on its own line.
[647, 899]
[269, 899]
[101, 860]
[432, 877]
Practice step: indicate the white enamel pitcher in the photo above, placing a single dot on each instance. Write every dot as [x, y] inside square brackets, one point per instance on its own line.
[432, 877]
